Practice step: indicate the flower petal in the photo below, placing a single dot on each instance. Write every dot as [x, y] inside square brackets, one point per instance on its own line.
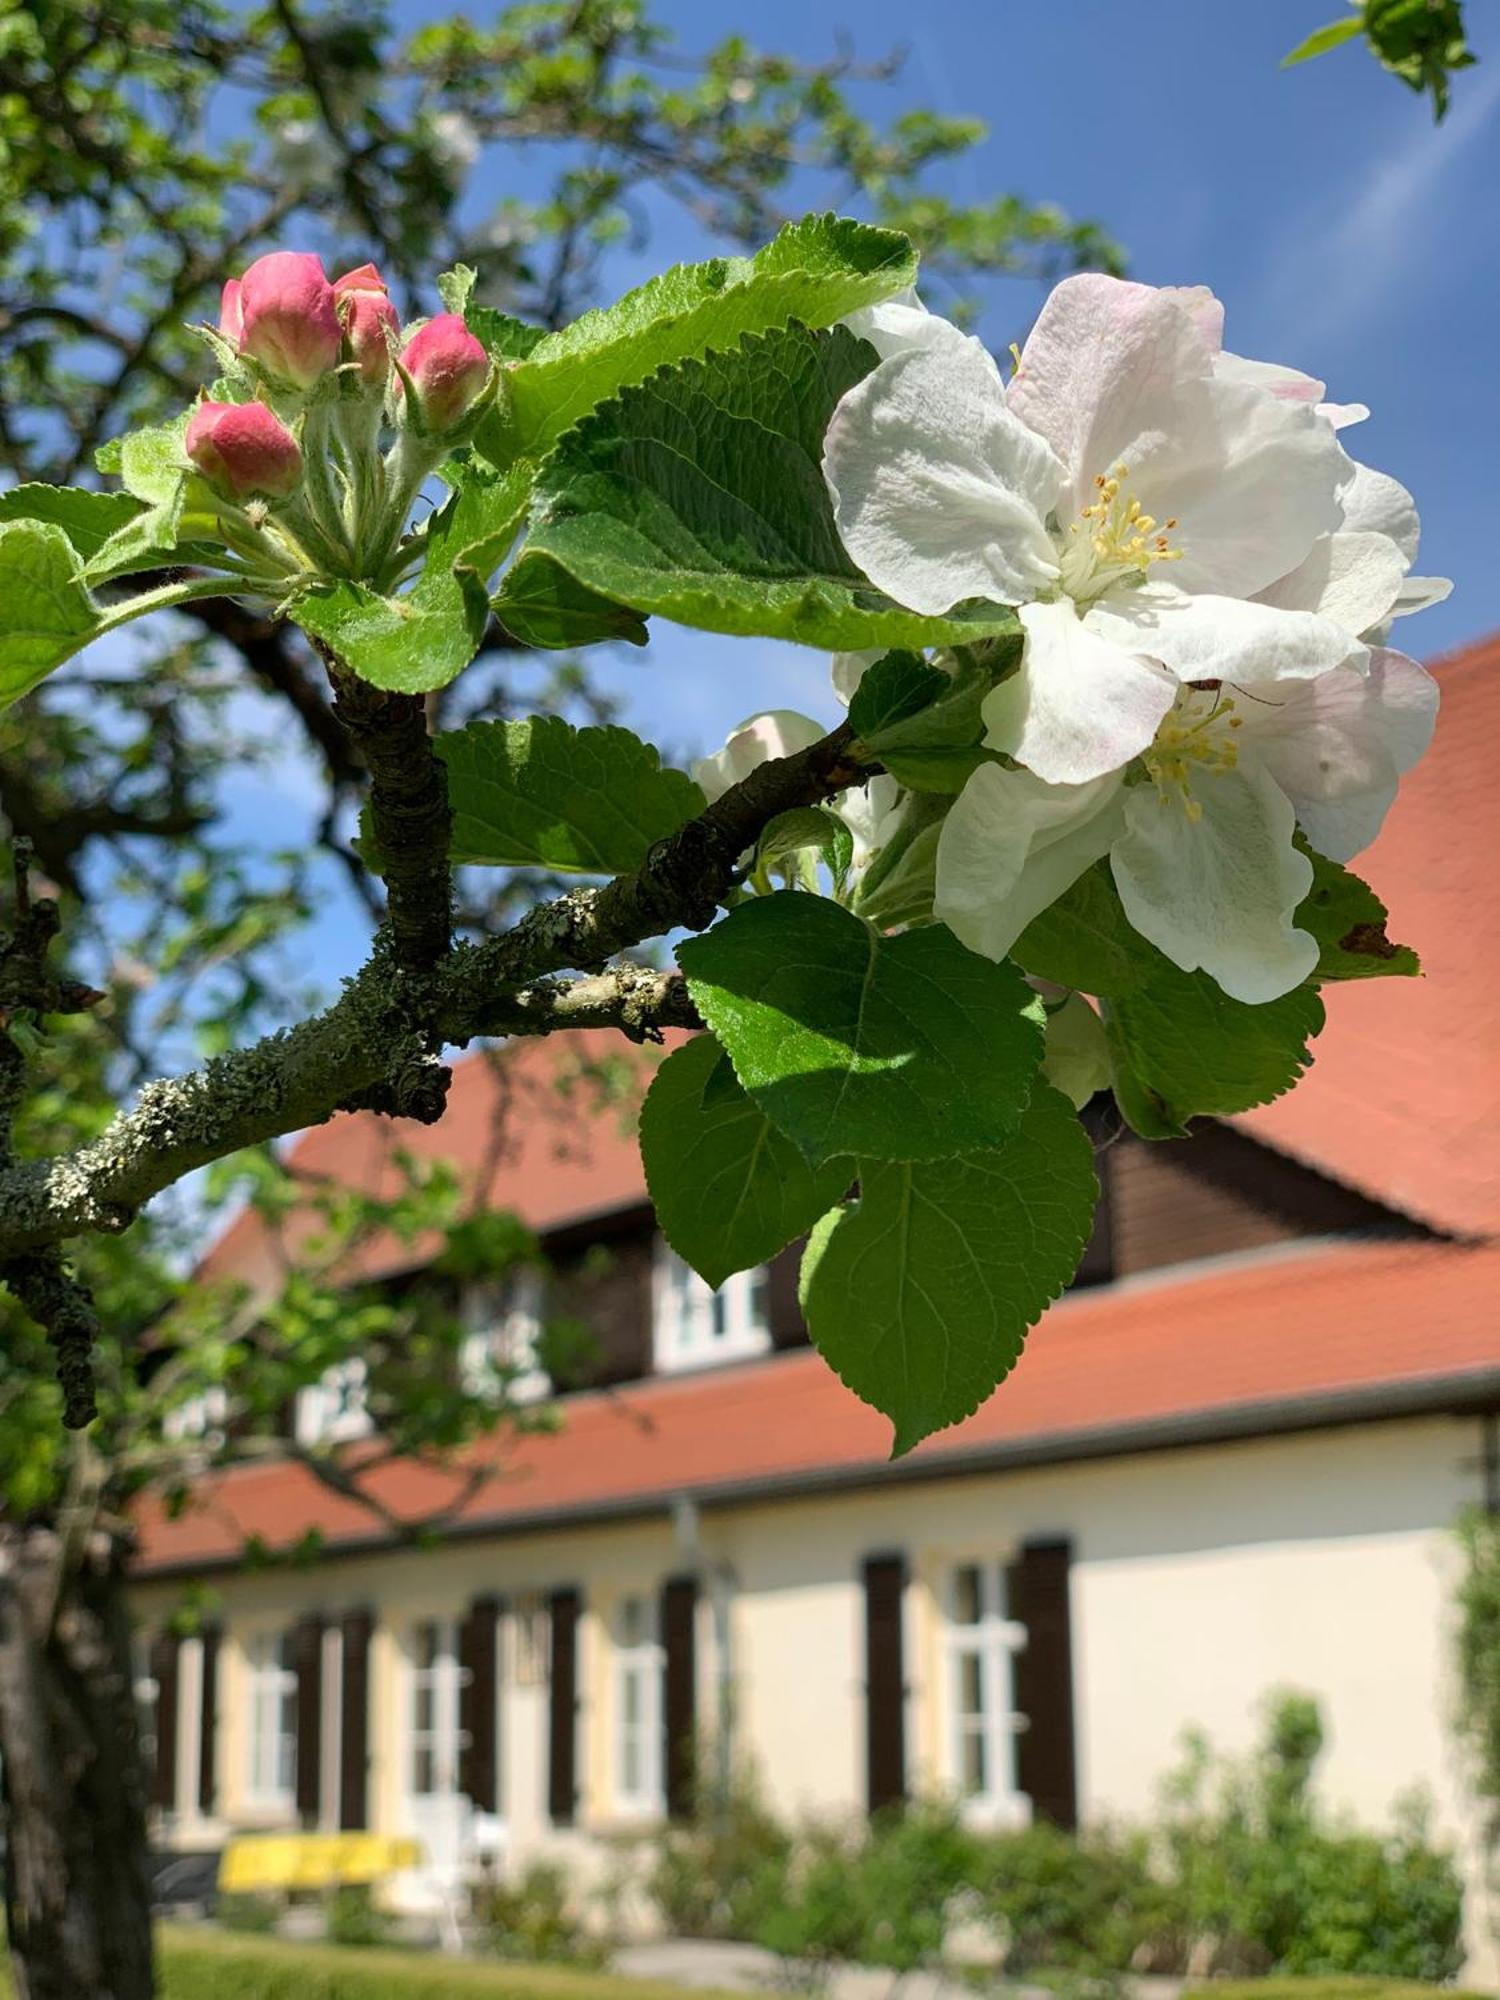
[1420, 593]
[1107, 365]
[1253, 480]
[939, 492]
[1224, 638]
[1337, 746]
[1374, 503]
[849, 669]
[1011, 845]
[779, 732]
[1353, 578]
[903, 324]
[1079, 705]
[1219, 892]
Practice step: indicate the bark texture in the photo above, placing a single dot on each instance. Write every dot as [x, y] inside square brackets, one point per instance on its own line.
[77, 1881]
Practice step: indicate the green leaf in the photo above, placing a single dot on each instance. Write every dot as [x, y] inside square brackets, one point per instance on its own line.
[920, 1293]
[904, 1048]
[151, 462]
[1077, 1058]
[546, 795]
[1321, 40]
[46, 612]
[1086, 941]
[729, 1190]
[700, 496]
[87, 519]
[806, 830]
[890, 692]
[540, 604]
[1180, 1048]
[814, 271]
[409, 644]
[1348, 920]
[476, 526]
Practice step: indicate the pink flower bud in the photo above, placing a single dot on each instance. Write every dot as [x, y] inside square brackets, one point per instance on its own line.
[448, 367]
[367, 316]
[243, 449]
[289, 319]
[231, 314]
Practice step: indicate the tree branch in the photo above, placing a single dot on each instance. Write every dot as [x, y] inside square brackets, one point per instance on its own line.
[377, 1038]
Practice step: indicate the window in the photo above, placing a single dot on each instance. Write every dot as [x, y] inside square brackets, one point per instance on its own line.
[500, 1352]
[335, 1409]
[638, 1716]
[201, 1416]
[272, 1674]
[696, 1325]
[434, 1733]
[981, 1643]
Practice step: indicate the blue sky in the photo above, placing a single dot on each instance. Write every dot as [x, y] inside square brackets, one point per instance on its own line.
[1346, 234]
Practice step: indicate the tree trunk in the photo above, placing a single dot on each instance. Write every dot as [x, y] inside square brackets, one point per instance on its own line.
[77, 1876]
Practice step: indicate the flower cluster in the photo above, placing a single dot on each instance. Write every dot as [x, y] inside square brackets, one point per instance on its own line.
[290, 444]
[1204, 580]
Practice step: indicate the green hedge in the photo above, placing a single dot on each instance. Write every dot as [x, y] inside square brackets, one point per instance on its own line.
[1324, 1989]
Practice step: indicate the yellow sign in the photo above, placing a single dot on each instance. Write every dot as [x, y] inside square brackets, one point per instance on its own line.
[312, 1860]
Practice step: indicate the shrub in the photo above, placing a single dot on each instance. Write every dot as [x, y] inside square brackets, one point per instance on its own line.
[876, 1896]
[355, 1918]
[253, 1915]
[533, 1918]
[1089, 1903]
[719, 1875]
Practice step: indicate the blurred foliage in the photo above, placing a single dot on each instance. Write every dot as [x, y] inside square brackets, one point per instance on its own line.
[1478, 1660]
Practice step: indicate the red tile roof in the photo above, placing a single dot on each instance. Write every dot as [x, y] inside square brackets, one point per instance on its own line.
[1239, 1346]
[1403, 1098]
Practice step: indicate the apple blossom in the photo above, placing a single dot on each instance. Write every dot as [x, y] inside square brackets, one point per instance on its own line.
[243, 450]
[1200, 835]
[1134, 498]
[369, 320]
[779, 732]
[231, 312]
[288, 319]
[448, 368]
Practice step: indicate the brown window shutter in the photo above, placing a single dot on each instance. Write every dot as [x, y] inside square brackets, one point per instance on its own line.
[208, 1720]
[165, 1648]
[562, 1760]
[679, 1637]
[355, 1628]
[307, 1651]
[478, 1656]
[1038, 1597]
[885, 1681]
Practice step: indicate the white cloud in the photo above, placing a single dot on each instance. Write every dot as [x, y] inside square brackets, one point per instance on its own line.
[1373, 242]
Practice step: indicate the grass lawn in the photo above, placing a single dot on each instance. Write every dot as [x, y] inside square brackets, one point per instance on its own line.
[1332, 1986]
[224, 1965]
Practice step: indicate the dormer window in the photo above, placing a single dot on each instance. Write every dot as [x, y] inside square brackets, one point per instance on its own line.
[697, 1326]
[335, 1409]
[500, 1352]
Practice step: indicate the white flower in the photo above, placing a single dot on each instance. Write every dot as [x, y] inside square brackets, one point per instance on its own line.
[870, 812]
[779, 732]
[1201, 844]
[1160, 512]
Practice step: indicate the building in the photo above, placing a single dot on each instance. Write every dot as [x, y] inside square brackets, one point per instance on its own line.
[1229, 1461]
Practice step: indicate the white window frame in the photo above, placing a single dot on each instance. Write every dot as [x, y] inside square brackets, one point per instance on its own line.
[994, 1642]
[271, 1724]
[201, 1417]
[695, 1326]
[638, 1668]
[335, 1410]
[442, 1736]
[499, 1354]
